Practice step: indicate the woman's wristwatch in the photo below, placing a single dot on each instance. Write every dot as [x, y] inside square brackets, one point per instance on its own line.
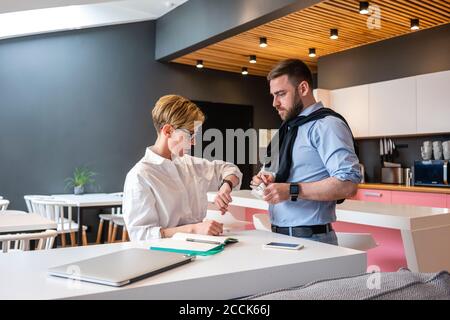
[228, 182]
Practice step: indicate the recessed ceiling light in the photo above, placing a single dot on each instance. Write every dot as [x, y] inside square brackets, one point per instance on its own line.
[312, 52]
[334, 34]
[244, 71]
[415, 24]
[364, 7]
[252, 59]
[263, 42]
[200, 64]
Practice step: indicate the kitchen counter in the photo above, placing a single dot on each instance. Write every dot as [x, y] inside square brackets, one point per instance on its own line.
[394, 187]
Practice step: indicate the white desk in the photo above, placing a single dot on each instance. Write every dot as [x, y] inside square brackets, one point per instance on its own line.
[425, 230]
[18, 221]
[89, 201]
[241, 269]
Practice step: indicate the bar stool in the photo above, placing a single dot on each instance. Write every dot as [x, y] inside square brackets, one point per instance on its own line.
[115, 220]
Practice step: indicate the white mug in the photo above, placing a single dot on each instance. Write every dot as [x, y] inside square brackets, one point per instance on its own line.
[426, 150]
[447, 154]
[437, 154]
[445, 145]
[426, 155]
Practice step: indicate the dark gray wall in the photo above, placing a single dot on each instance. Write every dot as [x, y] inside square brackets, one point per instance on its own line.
[413, 54]
[198, 23]
[84, 98]
[416, 53]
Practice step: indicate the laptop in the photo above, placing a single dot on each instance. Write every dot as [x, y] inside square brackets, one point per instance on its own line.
[121, 268]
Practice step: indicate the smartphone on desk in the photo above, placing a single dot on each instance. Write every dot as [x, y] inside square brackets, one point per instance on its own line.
[281, 245]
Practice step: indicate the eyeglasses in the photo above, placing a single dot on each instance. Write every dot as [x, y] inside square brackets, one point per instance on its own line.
[188, 132]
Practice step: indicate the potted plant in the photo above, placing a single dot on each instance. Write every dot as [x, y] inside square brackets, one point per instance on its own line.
[82, 176]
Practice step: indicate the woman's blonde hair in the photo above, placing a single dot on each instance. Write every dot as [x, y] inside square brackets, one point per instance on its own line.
[176, 111]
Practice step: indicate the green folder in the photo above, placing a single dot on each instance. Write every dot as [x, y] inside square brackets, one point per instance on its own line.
[193, 245]
[210, 252]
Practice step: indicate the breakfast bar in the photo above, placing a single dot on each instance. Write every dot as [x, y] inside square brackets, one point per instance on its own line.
[425, 231]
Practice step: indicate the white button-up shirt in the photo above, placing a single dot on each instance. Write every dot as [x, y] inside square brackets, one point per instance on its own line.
[161, 193]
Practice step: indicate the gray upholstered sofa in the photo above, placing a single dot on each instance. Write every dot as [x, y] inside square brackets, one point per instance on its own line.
[401, 285]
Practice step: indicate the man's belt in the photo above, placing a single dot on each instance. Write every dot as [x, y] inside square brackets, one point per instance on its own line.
[303, 231]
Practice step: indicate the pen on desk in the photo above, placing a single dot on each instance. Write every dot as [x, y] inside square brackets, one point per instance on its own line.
[202, 241]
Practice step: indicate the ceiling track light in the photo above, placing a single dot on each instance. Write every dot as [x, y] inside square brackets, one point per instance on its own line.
[334, 34]
[252, 59]
[263, 42]
[199, 64]
[415, 24]
[364, 7]
[312, 52]
[244, 71]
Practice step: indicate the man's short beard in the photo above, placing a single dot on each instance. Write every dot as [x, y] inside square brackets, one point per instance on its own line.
[297, 107]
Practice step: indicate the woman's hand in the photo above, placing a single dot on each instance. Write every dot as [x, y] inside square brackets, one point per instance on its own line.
[208, 227]
[223, 198]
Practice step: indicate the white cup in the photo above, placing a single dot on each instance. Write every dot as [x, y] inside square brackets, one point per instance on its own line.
[427, 143]
[258, 191]
[445, 145]
[426, 155]
[437, 154]
[446, 154]
[426, 149]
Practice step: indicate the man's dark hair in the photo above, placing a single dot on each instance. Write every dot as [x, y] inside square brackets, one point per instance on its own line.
[296, 70]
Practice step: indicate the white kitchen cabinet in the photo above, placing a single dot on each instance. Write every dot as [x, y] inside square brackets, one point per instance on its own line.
[393, 107]
[353, 104]
[433, 102]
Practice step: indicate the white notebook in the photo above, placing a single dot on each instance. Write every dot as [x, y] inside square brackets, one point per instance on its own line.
[206, 239]
[193, 244]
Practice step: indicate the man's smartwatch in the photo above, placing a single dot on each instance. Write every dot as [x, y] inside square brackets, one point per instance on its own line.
[294, 191]
[227, 182]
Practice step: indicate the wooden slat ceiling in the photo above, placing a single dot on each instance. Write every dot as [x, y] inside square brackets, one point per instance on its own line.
[291, 36]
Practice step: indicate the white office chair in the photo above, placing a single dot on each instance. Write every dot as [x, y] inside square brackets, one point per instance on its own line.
[29, 198]
[228, 220]
[357, 241]
[54, 210]
[21, 241]
[3, 204]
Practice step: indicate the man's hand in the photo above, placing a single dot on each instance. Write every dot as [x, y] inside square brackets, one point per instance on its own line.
[262, 177]
[223, 198]
[208, 227]
[276, 193]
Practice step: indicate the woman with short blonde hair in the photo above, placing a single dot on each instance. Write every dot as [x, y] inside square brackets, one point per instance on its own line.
[165, 192]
